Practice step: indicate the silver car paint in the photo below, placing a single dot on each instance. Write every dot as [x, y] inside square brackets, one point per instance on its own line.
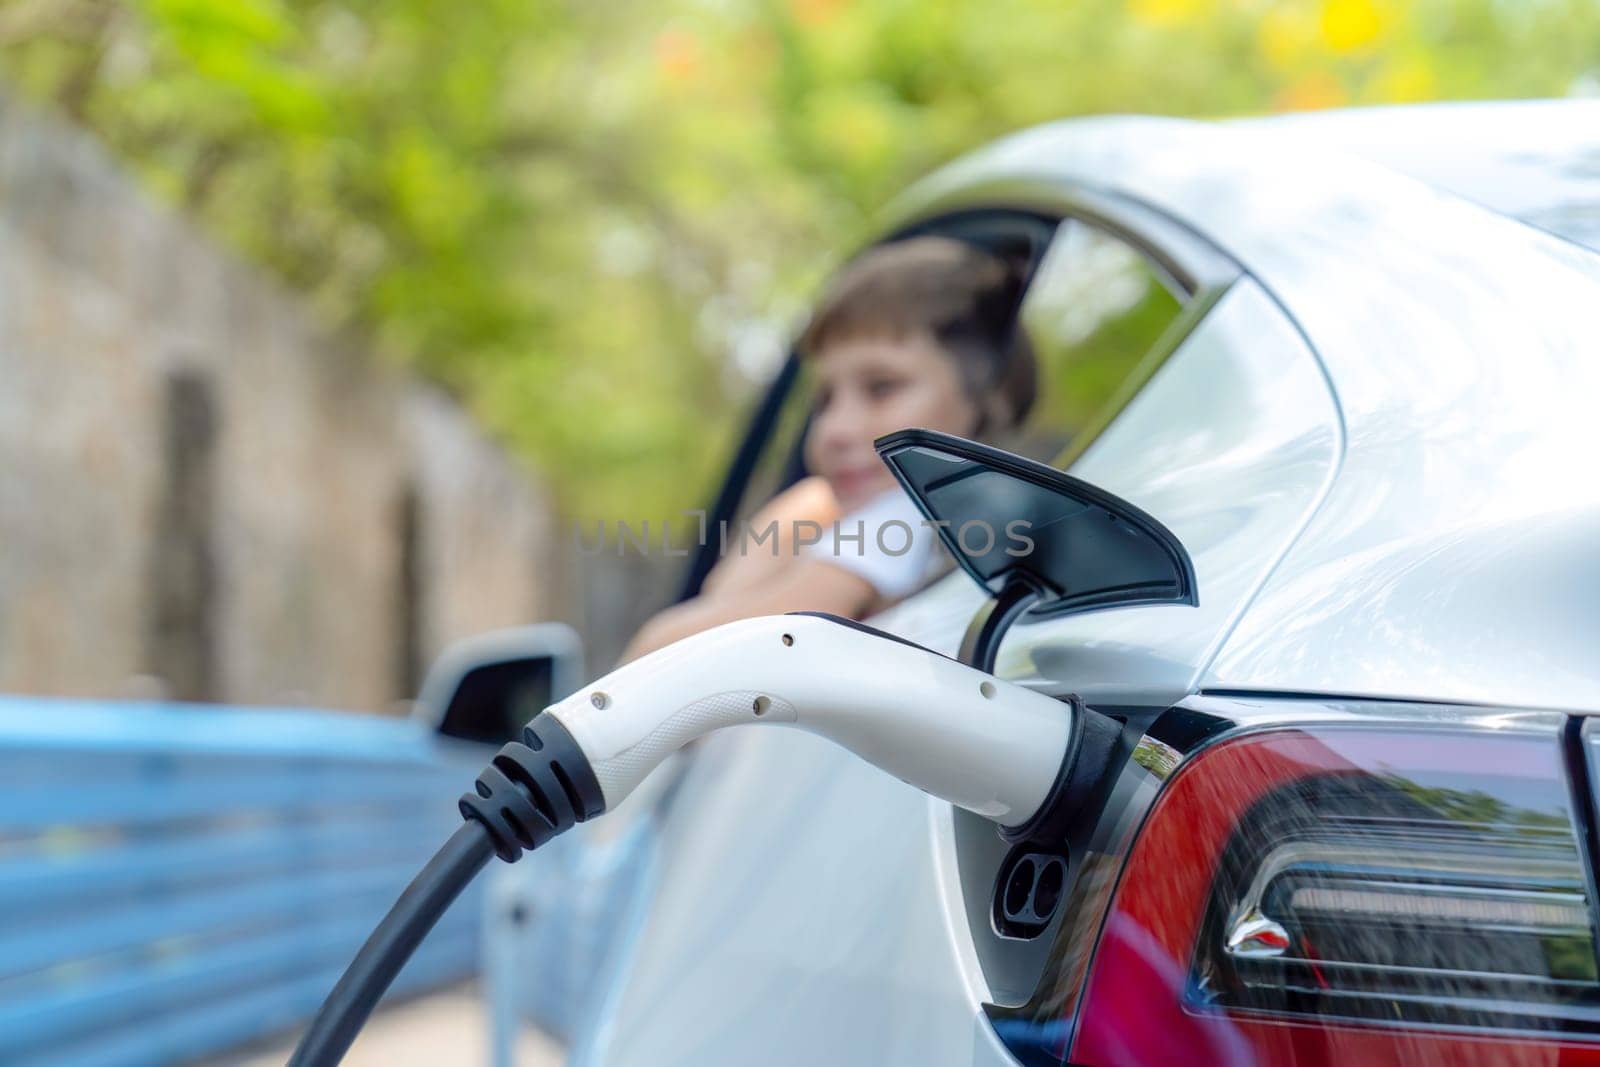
[807, 907]
[1232, 444]
[1462, 350]
[1534, 160]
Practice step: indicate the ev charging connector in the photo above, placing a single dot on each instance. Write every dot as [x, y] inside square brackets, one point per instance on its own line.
[992, 747]
[1024, 761]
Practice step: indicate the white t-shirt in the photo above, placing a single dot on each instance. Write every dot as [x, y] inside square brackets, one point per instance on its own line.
[884, 541]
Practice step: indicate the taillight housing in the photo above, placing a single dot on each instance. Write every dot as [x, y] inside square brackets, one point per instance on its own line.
[1353, 894]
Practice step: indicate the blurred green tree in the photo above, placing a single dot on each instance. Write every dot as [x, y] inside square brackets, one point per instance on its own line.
[594, 223]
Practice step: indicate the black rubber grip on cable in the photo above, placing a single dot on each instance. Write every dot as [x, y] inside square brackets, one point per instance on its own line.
[534, 789]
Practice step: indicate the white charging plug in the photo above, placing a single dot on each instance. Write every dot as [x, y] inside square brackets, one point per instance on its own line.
[983, 744]
[1004, 752]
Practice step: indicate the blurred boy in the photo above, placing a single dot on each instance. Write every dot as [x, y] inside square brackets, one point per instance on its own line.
[920, 332]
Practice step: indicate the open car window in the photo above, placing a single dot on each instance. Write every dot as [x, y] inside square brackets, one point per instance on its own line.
[1101, 316]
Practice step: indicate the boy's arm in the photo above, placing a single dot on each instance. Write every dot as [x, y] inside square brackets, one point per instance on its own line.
[803, 585]
[808, 500]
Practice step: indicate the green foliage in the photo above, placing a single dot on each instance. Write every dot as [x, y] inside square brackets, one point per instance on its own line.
[570, 214]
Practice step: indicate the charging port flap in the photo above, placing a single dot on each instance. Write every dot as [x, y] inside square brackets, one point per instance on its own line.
[1007, 519]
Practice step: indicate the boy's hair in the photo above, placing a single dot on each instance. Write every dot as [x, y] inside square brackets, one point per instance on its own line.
[962, 297]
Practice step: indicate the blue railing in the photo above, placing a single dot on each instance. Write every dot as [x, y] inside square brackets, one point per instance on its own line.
[177, 880]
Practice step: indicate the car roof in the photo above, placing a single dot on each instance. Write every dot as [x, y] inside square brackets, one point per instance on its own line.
[1537, 161]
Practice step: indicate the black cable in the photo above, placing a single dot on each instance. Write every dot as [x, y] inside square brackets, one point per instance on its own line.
[531, 791]
[367, 978]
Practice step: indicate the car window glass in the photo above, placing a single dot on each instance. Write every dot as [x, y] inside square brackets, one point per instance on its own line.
[1095, 309]
[780, 464]
[1096, 313]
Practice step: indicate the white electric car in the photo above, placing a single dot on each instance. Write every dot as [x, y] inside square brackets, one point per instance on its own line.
[1352, 362]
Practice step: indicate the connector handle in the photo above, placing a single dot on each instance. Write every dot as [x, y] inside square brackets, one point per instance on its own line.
[984, 744]
[534, 789]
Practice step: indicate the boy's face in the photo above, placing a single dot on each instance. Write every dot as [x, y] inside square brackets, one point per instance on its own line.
[870, 386]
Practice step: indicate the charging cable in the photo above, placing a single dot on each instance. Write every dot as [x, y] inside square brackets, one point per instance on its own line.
[995, 748]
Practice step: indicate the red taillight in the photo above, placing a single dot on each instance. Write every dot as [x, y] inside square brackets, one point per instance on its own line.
[1343, 895]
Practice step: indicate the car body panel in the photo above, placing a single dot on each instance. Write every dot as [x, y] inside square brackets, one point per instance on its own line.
[1537, 161]
[1461, 350]
[807, 907]
[1231, 445]
[814, 931]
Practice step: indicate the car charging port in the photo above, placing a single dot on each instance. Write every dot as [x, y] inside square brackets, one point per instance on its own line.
[1028, 892]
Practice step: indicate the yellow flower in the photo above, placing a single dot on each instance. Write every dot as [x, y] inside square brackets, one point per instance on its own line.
[1407, 80]
[1351, 25]
[1165, 12]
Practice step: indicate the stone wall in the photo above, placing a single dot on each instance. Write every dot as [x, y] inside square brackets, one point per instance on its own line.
[203, 496]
